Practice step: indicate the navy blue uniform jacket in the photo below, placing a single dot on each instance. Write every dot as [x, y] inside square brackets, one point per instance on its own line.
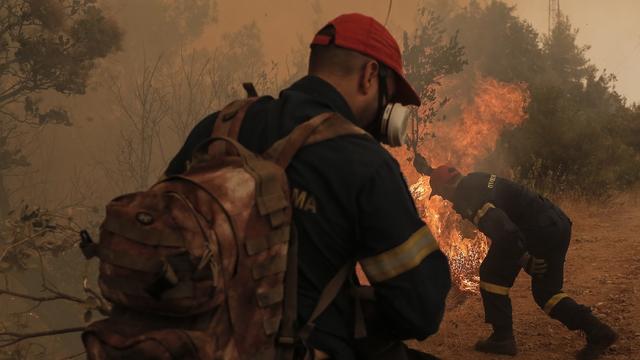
[350, 201]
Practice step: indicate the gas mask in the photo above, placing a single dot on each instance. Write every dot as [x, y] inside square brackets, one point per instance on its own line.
[392, 117]
[393, 127]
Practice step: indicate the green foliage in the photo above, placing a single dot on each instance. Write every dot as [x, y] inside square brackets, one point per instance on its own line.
[428, 55]
[45, 45]
[570, 136]
[51, 44]
[580, 136]
[565, 61]
[626, 127]
[497, 43]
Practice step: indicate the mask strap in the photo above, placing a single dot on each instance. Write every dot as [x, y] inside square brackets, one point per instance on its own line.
[375, 127]
[382, 93]
[382, 97]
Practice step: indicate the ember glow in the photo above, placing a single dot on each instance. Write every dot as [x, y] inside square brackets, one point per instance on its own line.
[464, 245]
[462, 142]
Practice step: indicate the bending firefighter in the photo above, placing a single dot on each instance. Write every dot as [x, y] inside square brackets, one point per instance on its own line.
[527, 231]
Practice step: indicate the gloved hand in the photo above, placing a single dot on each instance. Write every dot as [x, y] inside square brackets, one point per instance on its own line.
[532, 265]
[421, 165]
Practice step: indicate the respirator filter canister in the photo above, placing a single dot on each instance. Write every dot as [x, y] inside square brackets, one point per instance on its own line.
[394, 124]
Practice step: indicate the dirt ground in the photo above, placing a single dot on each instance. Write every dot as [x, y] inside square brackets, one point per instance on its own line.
[602, 271]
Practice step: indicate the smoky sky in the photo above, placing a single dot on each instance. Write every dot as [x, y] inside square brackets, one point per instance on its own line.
[611, 28]
[67, 155]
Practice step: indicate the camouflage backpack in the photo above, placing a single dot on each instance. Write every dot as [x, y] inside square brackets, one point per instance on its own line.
[203, 265]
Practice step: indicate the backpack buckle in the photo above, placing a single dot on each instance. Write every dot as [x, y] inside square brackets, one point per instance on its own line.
[88, 247]
[250, 89]
[286, 340]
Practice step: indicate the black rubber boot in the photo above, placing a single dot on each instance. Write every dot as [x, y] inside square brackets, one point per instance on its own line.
[500, 342]
[599, 338]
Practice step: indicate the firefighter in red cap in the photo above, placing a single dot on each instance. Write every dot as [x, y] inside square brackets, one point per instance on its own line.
[527, 232]
[350, 200]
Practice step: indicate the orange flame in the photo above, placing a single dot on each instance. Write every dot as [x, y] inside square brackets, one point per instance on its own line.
[462, 142]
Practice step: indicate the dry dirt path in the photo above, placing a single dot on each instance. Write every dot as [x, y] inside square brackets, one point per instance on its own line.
[602, 271]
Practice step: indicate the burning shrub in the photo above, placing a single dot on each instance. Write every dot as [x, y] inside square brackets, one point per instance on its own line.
[462, 141]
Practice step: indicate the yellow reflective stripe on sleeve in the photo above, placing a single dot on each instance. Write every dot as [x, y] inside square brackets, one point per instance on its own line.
[494, 289]
[483, 210]
[400, 259]
[555, 299]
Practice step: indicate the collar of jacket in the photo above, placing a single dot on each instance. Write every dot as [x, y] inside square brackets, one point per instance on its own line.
[325, 93]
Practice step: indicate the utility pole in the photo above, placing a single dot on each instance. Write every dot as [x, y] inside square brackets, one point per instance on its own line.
[554, 13]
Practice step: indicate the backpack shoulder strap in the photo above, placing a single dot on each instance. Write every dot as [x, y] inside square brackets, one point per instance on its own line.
[229, 121]
[319, 128]
[230, 118]
[328, 294]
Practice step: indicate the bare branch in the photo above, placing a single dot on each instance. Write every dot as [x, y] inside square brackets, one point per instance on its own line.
[73, 356]
[62, 295]
[18, 243]
[11, 338]
[103, 306]
[55, 296]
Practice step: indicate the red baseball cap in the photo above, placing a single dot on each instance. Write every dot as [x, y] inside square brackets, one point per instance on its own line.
[367, 36]
[441, 177]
